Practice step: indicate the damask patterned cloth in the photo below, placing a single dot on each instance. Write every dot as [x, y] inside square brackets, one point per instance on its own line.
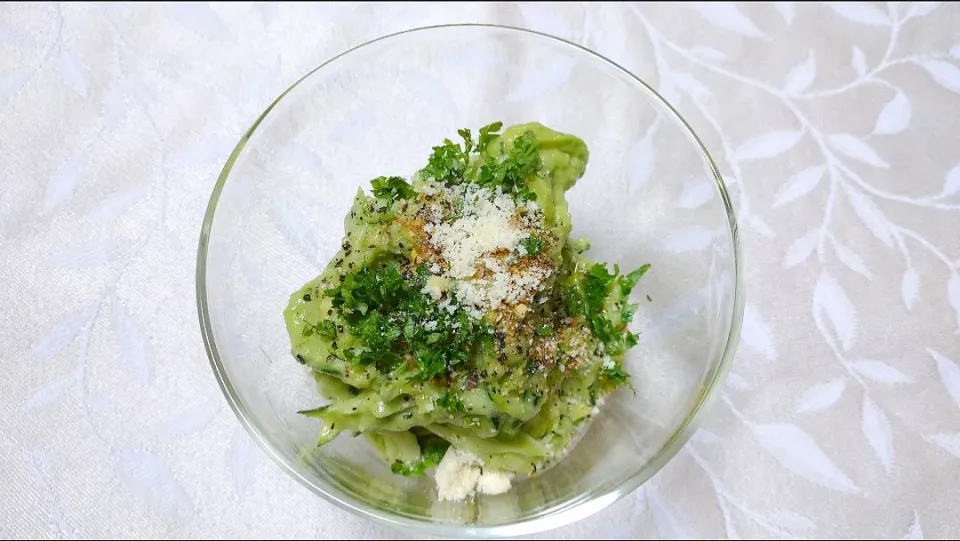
[836, 125]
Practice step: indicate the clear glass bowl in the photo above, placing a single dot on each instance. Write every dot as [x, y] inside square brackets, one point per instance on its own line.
[651, 194]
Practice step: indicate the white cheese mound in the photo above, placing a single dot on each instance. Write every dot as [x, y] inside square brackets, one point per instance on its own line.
[460, 475]
[503, 286]
[435, 287]
[493, 482]
[489, 221]
[484, 227]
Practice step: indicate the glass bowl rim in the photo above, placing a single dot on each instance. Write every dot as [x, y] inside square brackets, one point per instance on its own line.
[568, 512]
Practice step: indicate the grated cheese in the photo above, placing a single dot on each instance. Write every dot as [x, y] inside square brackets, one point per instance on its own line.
[460, 475]
[484, 227]
[480, 245]
[493, 482]
[436, 286]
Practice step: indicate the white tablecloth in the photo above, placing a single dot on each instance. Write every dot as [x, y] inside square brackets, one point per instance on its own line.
[837, 126]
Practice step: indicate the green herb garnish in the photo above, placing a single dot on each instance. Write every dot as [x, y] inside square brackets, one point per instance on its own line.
[488, 133]
[627, 282]
[532, 246]
[392, 188]
[615, 375]
[544, 330]
[432, 450]
[449, 162]
[453, 163]
[325, 328]
[591, 302]
[509, 173]
[390, 313]
[451, 402]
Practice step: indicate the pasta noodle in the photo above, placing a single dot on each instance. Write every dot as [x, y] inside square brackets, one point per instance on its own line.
[458, 313]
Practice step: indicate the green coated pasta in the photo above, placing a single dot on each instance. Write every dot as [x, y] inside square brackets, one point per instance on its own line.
[457, 311]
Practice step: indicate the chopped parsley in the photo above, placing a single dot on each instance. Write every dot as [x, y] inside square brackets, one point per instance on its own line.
[627, 282]
[432, 450]
[487, 133]
[366, 289]
[544, 330]
[522, 160]
[392, 188]
[596, 284]
[616, 375]
[389, 314]
[451, 402]
[325, 328]
[453, 163]
[532, 246]
[467, 140]
[596, 287]
[590, 300]
[447, 163]
[378, 333]
[328, 328]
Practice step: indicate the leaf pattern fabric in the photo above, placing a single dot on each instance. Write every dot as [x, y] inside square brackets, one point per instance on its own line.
[834, 125]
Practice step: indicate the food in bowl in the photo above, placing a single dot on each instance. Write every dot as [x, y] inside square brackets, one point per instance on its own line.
[458, 327]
